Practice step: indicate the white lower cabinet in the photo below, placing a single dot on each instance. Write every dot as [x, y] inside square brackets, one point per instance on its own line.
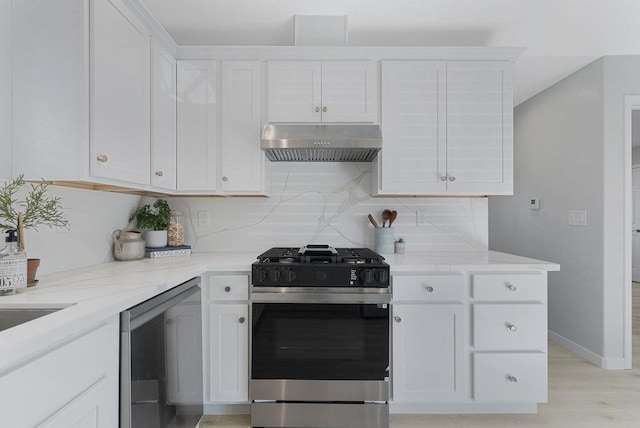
[469, 341]
[428, 352]
[227, 340]
[74, 385]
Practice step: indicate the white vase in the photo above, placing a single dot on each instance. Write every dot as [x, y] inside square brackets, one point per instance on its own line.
[156, 238]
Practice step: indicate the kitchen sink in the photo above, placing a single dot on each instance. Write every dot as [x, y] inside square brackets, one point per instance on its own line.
[11, 317]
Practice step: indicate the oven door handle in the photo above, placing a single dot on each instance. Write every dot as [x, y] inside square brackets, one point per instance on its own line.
[261, 297]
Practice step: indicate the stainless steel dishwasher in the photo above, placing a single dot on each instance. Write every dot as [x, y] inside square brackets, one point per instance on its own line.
[161, 382]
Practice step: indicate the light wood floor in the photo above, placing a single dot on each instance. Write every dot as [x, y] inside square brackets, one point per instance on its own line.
[580, 395]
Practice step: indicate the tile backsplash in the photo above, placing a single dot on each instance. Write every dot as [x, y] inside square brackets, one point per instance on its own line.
[328, 203]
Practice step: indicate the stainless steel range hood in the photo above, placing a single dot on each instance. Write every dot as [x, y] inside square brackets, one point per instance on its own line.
[321, 143]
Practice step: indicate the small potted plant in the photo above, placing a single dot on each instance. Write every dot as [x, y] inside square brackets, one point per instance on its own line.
[154, 220]
[36, 209]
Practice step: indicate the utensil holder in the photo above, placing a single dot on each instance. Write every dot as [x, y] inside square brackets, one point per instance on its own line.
[383, 240]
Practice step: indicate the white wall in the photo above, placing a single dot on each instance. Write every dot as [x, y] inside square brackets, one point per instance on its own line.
[570, 152]
[93, 216]
[621, 76]
[5, 88]
[328, 203]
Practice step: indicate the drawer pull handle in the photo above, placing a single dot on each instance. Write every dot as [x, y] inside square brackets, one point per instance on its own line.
[512, 287]
[159, 173]
[317, 109]
[429, 288]
[512, 379]
[397, 319]
[512, 327]
[241, 320]
[102, 158]
[443, 178]
[227, 289]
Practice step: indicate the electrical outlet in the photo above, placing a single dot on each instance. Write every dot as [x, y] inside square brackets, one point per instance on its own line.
[421, 218]
[203, 218]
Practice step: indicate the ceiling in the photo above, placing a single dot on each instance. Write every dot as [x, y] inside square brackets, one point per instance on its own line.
[560, 36]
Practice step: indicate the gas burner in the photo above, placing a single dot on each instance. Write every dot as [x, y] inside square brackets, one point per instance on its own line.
[355, 261]
[287, 260]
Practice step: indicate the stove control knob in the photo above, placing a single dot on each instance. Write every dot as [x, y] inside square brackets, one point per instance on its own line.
[261, 275]
[321, 275]
[366, 276]
[288, 276]
[382, 277]
[274, 275]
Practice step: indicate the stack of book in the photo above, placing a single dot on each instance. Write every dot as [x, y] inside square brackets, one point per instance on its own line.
[161, 252]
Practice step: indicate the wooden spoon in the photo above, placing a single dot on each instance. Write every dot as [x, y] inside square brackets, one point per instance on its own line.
[373, 221]
[386, 215]
[394, 215]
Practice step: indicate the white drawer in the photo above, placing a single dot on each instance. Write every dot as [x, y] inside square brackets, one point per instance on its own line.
[510, 326]
[427, 288]
[229, 287]
[509, 286]
[512, 377]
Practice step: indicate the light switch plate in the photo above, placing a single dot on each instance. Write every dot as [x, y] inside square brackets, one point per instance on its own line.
[577, 218]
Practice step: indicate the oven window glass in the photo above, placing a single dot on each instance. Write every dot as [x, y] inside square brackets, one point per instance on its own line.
[320, 341]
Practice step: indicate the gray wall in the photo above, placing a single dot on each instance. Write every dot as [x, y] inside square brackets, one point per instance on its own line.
[558, 158]
[570, 152]
[5, 88]
[636, 154]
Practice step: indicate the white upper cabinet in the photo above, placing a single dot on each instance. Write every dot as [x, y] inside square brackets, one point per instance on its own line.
[219, 125]
[480, 127]
[242, 158]
[120, 69]
[447, 128]
[163, 121]
[85, 116]
[337, 91]
[414, 126]
[197, 126]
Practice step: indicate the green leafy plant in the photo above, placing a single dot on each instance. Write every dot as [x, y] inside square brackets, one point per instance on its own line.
[38, 209]
[156, 218]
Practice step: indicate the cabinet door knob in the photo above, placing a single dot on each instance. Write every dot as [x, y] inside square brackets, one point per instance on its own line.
[397, 319]
[512, 327]
[452, 178]
[103, 158]
[227, 289]
[225, 178]
[512, 379]
[324, 109]
[241, 320]
[443, 178]
[159, 173]
[512, 287]
[317, 109]
[429, 288]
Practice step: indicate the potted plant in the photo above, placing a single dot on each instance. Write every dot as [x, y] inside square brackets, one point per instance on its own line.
[154, 220]
[36, 209]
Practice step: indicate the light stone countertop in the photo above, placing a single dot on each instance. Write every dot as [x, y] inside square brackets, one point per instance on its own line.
[94, 294]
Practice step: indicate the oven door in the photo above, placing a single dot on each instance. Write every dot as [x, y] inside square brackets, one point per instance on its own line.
[311, 343]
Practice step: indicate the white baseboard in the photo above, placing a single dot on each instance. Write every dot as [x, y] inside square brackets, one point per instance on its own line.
[461, 408]
[227, 409]
[590, 356]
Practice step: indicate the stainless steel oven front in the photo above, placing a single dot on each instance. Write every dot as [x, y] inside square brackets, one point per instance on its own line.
[319, 357]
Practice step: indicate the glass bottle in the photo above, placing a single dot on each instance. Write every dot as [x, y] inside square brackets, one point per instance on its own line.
[13, 265]
[175, 231]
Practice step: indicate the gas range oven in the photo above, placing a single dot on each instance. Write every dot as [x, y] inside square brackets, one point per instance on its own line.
[320, 338]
